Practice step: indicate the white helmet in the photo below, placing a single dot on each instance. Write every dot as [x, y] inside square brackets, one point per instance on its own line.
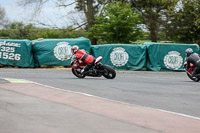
[74, 49]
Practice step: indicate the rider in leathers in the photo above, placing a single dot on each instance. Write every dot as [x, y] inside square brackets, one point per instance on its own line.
[194, 59]
[84, 56]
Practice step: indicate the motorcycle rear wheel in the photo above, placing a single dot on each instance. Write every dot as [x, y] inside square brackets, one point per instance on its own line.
[194, 79]
[109, 72]
[77, 74]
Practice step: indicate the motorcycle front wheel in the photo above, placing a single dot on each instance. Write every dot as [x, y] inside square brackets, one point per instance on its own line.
[109, 72]
[77, 74]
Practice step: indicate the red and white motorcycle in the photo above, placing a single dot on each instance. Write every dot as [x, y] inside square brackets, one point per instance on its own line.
[97, 70]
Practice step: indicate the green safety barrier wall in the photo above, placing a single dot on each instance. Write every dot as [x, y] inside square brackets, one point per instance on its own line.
[122, 56]
[167, 56]
[57, 52]
[16, 53]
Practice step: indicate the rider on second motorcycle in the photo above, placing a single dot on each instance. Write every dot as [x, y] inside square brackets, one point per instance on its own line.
[193, 58]
[81, 54]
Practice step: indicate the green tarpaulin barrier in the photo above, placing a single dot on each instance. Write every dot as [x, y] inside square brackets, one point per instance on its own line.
[16, 53]
[167, 56]
[57, 52]
[122, 56]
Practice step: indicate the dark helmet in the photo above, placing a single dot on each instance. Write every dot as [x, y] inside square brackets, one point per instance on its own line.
[188, 52]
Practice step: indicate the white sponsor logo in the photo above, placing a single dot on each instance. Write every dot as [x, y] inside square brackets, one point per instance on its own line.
[173, 60]
[12, 44]
[119, 57]
[8, 51]
[62, 51]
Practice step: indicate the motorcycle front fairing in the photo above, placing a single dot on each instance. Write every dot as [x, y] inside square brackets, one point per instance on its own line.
[191, 68]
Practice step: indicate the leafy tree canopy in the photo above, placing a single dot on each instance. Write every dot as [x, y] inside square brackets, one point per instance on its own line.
[117, 24]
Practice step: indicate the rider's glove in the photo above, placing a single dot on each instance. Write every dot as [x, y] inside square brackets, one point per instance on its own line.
[75, 65]
[80, 61]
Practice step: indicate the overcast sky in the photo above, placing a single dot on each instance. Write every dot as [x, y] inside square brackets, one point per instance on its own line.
[50, 13]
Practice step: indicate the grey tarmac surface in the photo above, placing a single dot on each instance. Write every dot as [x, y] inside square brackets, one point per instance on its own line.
[25, 114]
[168, 91]
[171, 91]
[39, 110]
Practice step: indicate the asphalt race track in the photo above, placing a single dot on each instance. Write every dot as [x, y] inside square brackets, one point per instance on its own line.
[169, 91]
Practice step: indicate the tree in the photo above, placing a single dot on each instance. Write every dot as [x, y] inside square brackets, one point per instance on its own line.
[20, 30]
[185, 22]
[117, 24]
[90, 9]
[153, 12]
[3, 19]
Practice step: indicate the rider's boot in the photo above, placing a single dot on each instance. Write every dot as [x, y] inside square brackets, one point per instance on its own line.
[82, 71]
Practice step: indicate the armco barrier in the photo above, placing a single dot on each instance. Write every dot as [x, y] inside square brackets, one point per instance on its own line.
[57, 52]
[16, 53]
[122, 56]
[167, 56]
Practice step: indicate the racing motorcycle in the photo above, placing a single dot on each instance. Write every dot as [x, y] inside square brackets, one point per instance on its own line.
[97, 70]
[189, 72]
